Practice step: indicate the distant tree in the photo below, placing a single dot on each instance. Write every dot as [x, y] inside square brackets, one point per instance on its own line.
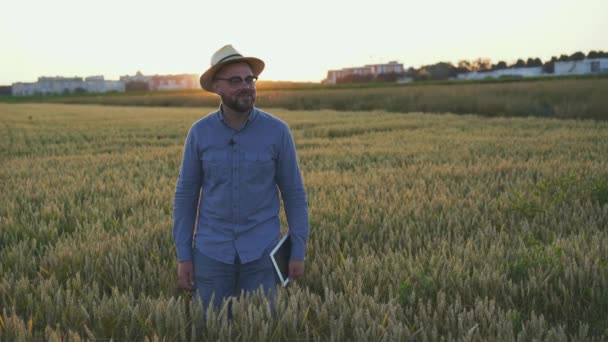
[363, 78]
[534, 62]
[6, 90]
[482, 64]
[549, 66]
[519, 64]
[137, 86]
[479, 64]
[388, 77]
[410, 72]
[563, 58]
[464, 66]
[597, 54]
[353, 78]
[577, 56]
[422, 75]
[441, 71]
[500, 65]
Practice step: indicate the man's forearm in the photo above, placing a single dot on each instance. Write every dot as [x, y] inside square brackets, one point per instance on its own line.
[296, 211]
[184, 218]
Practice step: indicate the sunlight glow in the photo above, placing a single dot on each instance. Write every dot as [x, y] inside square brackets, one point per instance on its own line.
[299, 41]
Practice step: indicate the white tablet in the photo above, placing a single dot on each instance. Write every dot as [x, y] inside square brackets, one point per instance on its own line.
[280, 259]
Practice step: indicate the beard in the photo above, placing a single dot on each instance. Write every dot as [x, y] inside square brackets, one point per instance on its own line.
[242, 102]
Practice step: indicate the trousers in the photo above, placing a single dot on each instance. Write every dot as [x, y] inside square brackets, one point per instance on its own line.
[218, 280]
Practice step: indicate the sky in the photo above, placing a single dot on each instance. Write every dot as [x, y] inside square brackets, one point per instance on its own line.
[298, 40]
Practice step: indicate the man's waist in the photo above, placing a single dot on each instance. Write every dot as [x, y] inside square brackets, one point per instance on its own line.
[249, 242]
[210, 226]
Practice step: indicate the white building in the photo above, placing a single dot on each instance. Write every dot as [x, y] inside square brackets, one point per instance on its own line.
[138, 77]
[22, 89]
[59, 85]
[509, 72]
[164, 82]
[97, 84]
[174, 82]
[392, 67]
[66, 85]
[582, 67]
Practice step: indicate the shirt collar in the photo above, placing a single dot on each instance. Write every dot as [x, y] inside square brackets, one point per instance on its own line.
[250, 118]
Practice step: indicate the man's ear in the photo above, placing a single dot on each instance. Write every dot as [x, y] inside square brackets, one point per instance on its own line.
[216, 89]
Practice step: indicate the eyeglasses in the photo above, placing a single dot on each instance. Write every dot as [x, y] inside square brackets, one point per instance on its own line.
[237, 80]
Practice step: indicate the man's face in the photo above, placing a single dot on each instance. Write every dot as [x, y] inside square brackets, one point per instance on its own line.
[238, 96]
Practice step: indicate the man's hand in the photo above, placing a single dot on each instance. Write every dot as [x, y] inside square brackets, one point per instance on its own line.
[185, 275]
[296, 269]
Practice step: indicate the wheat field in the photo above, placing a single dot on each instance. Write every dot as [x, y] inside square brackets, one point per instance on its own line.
[547, 97]
[424, 227]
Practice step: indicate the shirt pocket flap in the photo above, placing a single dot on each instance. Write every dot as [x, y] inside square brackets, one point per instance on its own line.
[214, 156]
[258, 157]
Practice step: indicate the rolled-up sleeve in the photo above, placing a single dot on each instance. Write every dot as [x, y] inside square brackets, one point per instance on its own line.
[289, 181]
[187, 193]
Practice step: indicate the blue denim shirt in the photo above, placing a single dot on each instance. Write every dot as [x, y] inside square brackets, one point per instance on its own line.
[237, 175]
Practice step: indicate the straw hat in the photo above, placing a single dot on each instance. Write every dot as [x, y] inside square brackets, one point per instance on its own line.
[227, 55]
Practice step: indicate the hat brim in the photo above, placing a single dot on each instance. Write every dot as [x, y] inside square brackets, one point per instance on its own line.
[206, 80]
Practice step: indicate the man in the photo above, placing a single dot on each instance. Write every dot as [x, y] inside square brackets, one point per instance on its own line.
[235, 162]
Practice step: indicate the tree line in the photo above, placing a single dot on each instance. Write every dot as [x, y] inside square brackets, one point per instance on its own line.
[447, 70]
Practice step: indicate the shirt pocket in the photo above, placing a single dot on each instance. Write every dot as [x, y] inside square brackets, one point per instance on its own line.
[216, 167]
[259, 166]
